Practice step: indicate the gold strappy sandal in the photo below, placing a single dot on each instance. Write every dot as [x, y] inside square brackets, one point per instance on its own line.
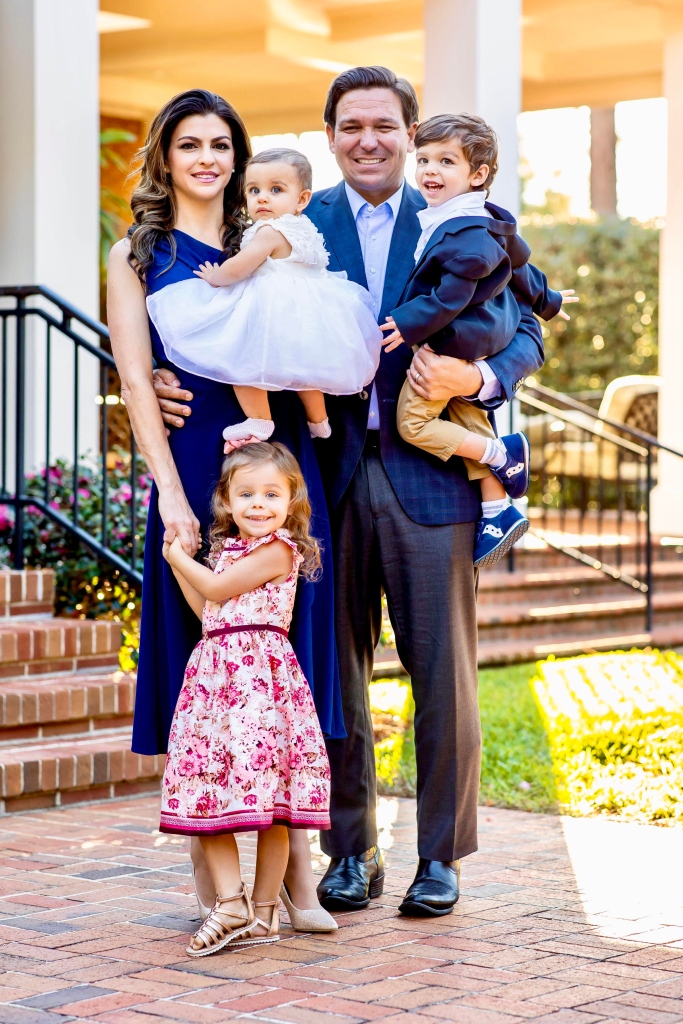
[273, 929]
[221, 926]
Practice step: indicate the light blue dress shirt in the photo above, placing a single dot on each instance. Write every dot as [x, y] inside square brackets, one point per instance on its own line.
[375, 226]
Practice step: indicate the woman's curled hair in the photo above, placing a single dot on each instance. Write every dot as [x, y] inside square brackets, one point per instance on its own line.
[153, 201]
[298, 521]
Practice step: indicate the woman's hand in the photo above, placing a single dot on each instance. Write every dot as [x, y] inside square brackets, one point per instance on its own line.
[179, 521]
[568, 295]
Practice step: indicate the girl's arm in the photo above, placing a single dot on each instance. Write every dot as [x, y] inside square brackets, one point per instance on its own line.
[270, 563]
[192, 596]
[267, 242]
[132, 349]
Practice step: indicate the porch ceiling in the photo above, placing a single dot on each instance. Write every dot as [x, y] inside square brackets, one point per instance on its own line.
[274, 58]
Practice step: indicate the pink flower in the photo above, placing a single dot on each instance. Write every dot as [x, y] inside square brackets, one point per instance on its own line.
[5, 521]
[295, 760]
[261, 759]
[316, 796]
[250, 800]
[248, 659]
[207, 804]
[173, 804]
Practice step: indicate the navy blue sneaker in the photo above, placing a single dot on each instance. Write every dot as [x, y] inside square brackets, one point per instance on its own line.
[514, 474]
[496, 536]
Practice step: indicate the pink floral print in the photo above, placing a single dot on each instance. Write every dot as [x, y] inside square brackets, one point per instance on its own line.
[245, 748]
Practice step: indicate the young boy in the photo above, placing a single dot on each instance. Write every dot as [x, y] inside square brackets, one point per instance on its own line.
[470, 262]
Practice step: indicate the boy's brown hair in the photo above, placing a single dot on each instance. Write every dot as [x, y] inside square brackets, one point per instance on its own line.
[479, 142]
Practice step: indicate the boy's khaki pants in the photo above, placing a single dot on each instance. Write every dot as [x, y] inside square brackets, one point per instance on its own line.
[420, 424]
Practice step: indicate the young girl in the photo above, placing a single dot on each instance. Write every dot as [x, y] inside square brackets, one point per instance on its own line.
[246, 751]
[275, 317]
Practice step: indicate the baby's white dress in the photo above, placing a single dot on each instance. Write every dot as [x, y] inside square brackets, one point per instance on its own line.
[292, 324]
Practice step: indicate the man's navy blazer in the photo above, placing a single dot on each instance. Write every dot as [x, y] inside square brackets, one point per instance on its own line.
[457, 299]
[431, 492]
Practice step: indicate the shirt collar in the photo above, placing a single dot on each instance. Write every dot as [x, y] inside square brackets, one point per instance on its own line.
[357, 203]
[469, 204]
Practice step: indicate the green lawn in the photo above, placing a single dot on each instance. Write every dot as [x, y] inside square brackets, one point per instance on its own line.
[516, 766]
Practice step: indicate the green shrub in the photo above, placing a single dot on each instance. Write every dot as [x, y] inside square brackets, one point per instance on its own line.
[614, 267]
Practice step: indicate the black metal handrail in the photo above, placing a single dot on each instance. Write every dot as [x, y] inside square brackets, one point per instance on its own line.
[596, 473]
[67, 324]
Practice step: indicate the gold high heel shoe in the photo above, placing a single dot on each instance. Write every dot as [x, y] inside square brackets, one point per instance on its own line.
[272, 934]
[317, 920]
[217, 931]
[204, 911]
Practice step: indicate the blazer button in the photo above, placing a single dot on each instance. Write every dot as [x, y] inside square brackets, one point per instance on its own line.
[364, 395]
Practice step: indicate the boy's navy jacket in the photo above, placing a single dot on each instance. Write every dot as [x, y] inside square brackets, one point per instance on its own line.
[431, 492]
[457, 297]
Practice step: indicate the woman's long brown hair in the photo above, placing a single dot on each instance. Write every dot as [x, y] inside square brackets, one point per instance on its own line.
[298, 521]
[154, 203]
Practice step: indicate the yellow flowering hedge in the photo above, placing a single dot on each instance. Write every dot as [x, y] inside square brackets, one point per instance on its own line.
[615, 726]
[392, 708]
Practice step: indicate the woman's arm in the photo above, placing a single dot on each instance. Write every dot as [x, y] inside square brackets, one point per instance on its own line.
[270, 563]
[132, 349]
[267, 242]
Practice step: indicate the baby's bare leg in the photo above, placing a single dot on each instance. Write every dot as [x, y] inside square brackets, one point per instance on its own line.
[254, 402]
[314, 404]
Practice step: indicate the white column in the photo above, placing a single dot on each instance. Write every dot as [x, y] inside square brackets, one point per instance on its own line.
[49, 186]
[668, 495]
[473, 64]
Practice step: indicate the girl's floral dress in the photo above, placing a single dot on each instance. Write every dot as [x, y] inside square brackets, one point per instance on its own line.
[246, 749]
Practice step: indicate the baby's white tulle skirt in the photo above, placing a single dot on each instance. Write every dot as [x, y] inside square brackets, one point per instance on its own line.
[299, 329]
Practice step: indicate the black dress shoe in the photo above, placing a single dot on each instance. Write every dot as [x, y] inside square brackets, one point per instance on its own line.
[435, 889]
[351, 882]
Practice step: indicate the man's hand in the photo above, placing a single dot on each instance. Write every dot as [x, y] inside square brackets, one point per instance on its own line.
[169, 396]
[395, 338]
[442, 377]
[239, 442]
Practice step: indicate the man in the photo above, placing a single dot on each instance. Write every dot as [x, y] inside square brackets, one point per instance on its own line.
[403, 521]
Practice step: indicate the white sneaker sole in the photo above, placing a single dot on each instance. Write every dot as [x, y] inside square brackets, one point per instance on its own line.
[508, 541]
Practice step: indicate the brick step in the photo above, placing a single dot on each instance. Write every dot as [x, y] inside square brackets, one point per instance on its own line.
[46, 646]
[576, 620]
[503, 652]
[516, 651]
[52, 773]
[568, 584]
[532, 558]
[27, 592]
[52, 706]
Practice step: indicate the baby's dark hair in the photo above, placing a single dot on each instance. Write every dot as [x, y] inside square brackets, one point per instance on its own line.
[477, 140]
[298, 521]
[292, 157]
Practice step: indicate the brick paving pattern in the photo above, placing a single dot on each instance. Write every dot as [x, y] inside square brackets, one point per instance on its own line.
[96, 906]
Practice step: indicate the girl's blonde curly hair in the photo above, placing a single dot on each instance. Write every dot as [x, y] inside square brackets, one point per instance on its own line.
[298, 520]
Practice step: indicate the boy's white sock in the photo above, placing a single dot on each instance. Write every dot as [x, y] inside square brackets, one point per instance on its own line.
[322, 429]
[495, 454]
[491, 509]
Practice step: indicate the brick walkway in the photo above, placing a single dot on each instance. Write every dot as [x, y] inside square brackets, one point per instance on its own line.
[96, 908]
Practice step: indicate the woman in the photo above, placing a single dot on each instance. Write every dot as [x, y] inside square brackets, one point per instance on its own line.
[188, 209]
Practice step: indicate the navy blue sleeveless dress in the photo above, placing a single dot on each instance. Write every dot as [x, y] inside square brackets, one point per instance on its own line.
[169, 629]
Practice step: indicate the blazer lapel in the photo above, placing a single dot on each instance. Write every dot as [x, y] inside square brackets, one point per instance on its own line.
[341, 235]
[401, 252]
